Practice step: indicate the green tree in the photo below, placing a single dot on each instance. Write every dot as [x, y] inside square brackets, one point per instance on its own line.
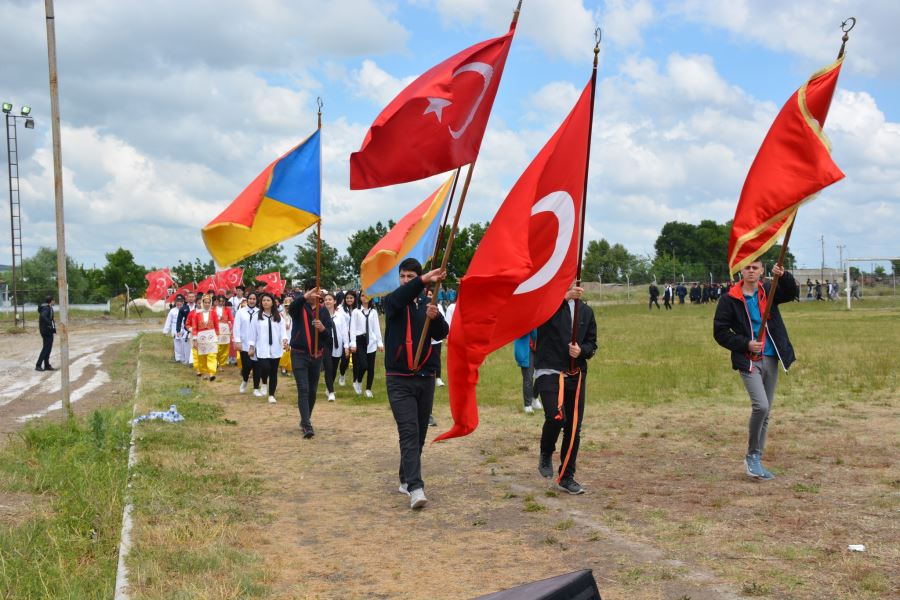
[611, 263]
[879, 273]
[464, 245]
[360, 242]
[334, 268]
[265, 261]
[184, 273]
[121, 270]
[36, 279]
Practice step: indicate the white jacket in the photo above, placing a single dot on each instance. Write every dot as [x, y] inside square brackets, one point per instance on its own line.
[443, 314]
[267, 336]
[339, 333]
[242, 327]
[341, 320]
[358, 327]
[171, 320]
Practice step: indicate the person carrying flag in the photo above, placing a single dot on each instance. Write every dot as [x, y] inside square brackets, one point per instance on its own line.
[561, 388]
[736, 327]
[410, 387]
[306, 355]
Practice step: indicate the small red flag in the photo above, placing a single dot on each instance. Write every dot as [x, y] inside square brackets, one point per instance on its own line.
[792, 166]
[436, 123]
[523, 266]
[158, 283]
[269, 278]
[229, 279]
[207, 285]
[183, 290]
[276, 288]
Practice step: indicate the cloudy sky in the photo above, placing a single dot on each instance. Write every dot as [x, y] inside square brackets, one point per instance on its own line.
[170, 108]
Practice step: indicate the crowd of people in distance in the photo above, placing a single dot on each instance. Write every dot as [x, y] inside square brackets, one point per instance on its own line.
[699, 293]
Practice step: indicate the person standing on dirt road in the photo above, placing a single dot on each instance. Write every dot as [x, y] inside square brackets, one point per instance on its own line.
[736, 328]
[47, 327]
[410, 387]
[306, 354]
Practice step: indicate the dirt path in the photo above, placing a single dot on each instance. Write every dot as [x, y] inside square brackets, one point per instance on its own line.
[26, 394]
[341, 529]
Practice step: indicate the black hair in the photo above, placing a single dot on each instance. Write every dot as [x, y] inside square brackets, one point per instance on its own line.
[309, 284]
[179, 297]
[239, 287]
[276, 316]
[410, 264]
[48, 299]
[347, 294]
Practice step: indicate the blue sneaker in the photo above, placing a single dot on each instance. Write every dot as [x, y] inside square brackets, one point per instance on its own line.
[767, 475]
[753, 466]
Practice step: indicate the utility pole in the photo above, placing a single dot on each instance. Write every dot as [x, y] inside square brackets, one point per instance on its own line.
[822, 274]
[841, 258]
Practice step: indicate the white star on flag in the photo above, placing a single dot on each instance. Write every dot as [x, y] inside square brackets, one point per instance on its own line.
[436, 105]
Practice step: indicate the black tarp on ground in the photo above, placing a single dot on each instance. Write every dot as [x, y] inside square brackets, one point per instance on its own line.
[579, 585]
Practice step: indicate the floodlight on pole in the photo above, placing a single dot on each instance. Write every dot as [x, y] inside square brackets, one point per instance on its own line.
[7, 107]
[26, 110]
[29, 123]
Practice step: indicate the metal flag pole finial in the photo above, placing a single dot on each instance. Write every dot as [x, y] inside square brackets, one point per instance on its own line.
[846, 26]
[598, 36]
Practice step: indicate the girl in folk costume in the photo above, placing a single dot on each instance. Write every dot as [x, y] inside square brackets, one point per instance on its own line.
[338, 336]
[226, 325]
[365, 336]
[285, 362]
[241, 338]
[268, 340]
[177, 332]
[205, 334]
[343, 315]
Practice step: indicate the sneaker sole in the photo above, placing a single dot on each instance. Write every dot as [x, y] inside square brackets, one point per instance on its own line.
[419, 503]
[402, 491]
[750, 474]
[581, 491]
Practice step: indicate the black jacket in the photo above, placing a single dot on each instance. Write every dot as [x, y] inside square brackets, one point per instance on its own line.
[732, 328]
[183, 313]
[404, 319]
[300, 310]
[45, 320]
[554, 336]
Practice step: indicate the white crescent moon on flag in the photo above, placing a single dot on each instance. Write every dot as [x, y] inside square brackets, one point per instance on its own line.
[487, 72]
[563, 208]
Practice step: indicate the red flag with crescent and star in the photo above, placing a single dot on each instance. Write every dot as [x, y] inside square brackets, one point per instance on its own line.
[793, 164]
[229, 279]
[183, 290]
[269, 278]
[436, 123]
[158, 283]
[523, 266]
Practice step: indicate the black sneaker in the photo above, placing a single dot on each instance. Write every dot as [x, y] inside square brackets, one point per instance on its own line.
[570, 485]
[212, 377]
[545, 465]
[39, 369]
[49, 368]
[431, 421]
[307, 432]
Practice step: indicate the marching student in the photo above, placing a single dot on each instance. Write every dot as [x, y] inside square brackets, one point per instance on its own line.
[365, 340]
[437, 345]
[337, 335]
[241, 338]
[204, 325]
[524, 354]
[226, 325]
[564, 390]
[306, 355]
[181, 324]
[236, 299]
[344, 314]
[285, 362]
[170, 328]
[267, 341]
[410, 387]
[736, 327]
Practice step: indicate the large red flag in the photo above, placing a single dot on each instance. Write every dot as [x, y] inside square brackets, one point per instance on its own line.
[792, 166]
[158, 283]
[526, 261]
[207, 284]
[229, 279]
[183, 290]
[269, 278]
[436, 123]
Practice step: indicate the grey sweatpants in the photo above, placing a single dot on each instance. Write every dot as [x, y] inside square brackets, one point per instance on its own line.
[760, 384]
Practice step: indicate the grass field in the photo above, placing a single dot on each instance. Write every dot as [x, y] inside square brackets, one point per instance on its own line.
[219, 499]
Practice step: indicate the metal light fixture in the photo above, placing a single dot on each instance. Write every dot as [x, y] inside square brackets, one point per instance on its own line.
[7, 107]
[26, 110]
[29, 123]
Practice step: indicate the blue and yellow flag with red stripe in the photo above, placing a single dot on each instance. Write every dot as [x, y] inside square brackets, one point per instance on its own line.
[413, 237]
[281, 202]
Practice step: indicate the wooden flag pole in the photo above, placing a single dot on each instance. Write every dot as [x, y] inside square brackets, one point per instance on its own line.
[587, 164]
[315, 348]
[440, 236]
[846, 26]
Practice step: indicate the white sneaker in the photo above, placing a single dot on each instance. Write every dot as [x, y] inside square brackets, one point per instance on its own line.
[404, 488]
[272, 400]
[341, 381]
[357, 387]
[258, 392]
[331, 396]
[536, 403]
[243, 387]
[369, 394]
[439, 382]
[529, 410]
[417, 498]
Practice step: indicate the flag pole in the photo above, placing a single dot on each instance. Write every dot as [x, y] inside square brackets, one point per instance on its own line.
[440, 236]
[315, 348]
[462, 199]
[587, 165]
[846, 26]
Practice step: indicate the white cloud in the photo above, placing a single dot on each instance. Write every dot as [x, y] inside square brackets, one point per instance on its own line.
[623, 21]
[372, 82]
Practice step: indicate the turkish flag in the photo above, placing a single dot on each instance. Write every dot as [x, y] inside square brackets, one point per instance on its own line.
[229, 279]
[207, 284]
[524, 265]
[269, 278]
[276, 288]
[183, 290]
[793, 164]
[158, 283]
[436, 123]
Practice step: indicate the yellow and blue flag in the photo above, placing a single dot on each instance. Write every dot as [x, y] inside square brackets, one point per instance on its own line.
[281, 202]
[413, 237]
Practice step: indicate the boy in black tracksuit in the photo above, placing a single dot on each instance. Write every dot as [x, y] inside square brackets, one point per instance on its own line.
[552, 359]
[736, 328]
[308, 365]
[47, 327]
[410, 387]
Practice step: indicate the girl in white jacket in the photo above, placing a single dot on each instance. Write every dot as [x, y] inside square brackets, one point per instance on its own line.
[267, 341]
[178, 336]
[338, 342]
[241, 338]
[365, 339]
